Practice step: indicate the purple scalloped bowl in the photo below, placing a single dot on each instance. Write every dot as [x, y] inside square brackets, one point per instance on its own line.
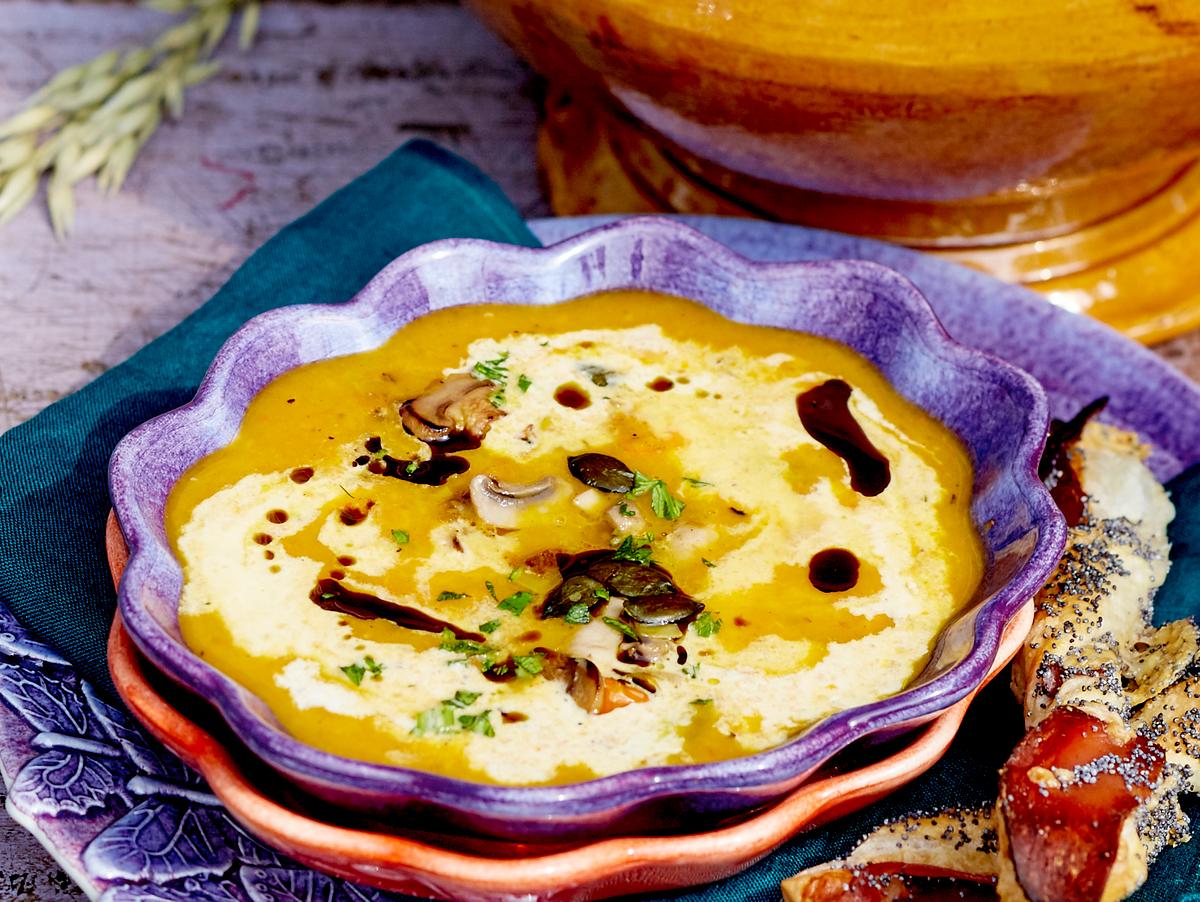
[1000, 412]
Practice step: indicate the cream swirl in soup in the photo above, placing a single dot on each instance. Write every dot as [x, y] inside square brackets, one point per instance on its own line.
[538, 544]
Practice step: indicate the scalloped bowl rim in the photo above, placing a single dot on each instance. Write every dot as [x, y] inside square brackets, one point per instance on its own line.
[602, 796]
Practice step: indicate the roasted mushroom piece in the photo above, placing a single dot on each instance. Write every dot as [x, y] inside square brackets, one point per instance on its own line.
[586, 685]
[458, 406]
[501, 503]
[593, 693]
[647, 651]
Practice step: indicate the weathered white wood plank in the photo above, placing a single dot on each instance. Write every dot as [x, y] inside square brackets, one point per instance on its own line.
[326, 92]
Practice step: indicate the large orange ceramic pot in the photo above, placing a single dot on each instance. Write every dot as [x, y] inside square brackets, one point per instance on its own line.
[1040, 140]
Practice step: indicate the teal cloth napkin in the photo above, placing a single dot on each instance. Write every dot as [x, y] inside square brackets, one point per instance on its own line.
[53, 484]
[53, 493]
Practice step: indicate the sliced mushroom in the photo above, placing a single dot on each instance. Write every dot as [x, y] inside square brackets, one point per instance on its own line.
[647, 652]
[502, 503]
[601, 472]
[596, 640]
[459, 405]
[593, 693]
[586, 686]
[556, 666]
[580, 676]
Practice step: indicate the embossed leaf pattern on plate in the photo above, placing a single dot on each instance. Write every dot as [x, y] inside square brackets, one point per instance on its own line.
[149, 828]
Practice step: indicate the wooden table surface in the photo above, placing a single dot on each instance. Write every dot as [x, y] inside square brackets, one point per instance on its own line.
[325, 93]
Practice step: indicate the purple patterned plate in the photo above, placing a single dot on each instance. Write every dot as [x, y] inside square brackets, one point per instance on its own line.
[1000, 413]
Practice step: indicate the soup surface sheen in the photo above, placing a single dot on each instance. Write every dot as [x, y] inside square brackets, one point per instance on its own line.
[425, 625]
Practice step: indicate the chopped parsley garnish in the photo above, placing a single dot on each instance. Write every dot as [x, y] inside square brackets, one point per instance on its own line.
[707, 563]
[328, 595]
[356, 671]
[477, 723]
[399, 536]
[626, 510]
[516, 665]
[490, 627]
[578, 614]
[636, 549]
[498, 669]
[663, 503]
[698, 483]
[495, 370]
[603, 594]
[523, 382]
[442, 718]
[517, 602]
[450, 596]
[515, 574]
[529, 664]
[702, 701]
[692, 670]
[491, 588]
[450, 642]
[707, 625]
[435, 720]
[623, 628]
[411, 467]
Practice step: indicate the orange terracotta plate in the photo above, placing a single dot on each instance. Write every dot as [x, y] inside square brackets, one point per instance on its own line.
[439, 866]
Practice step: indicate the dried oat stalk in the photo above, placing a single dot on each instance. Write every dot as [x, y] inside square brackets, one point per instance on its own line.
[94, 118]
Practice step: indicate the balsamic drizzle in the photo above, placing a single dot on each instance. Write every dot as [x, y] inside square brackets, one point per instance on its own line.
[435, 471]
[331, 595]
[833, 570]
[825, 413]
